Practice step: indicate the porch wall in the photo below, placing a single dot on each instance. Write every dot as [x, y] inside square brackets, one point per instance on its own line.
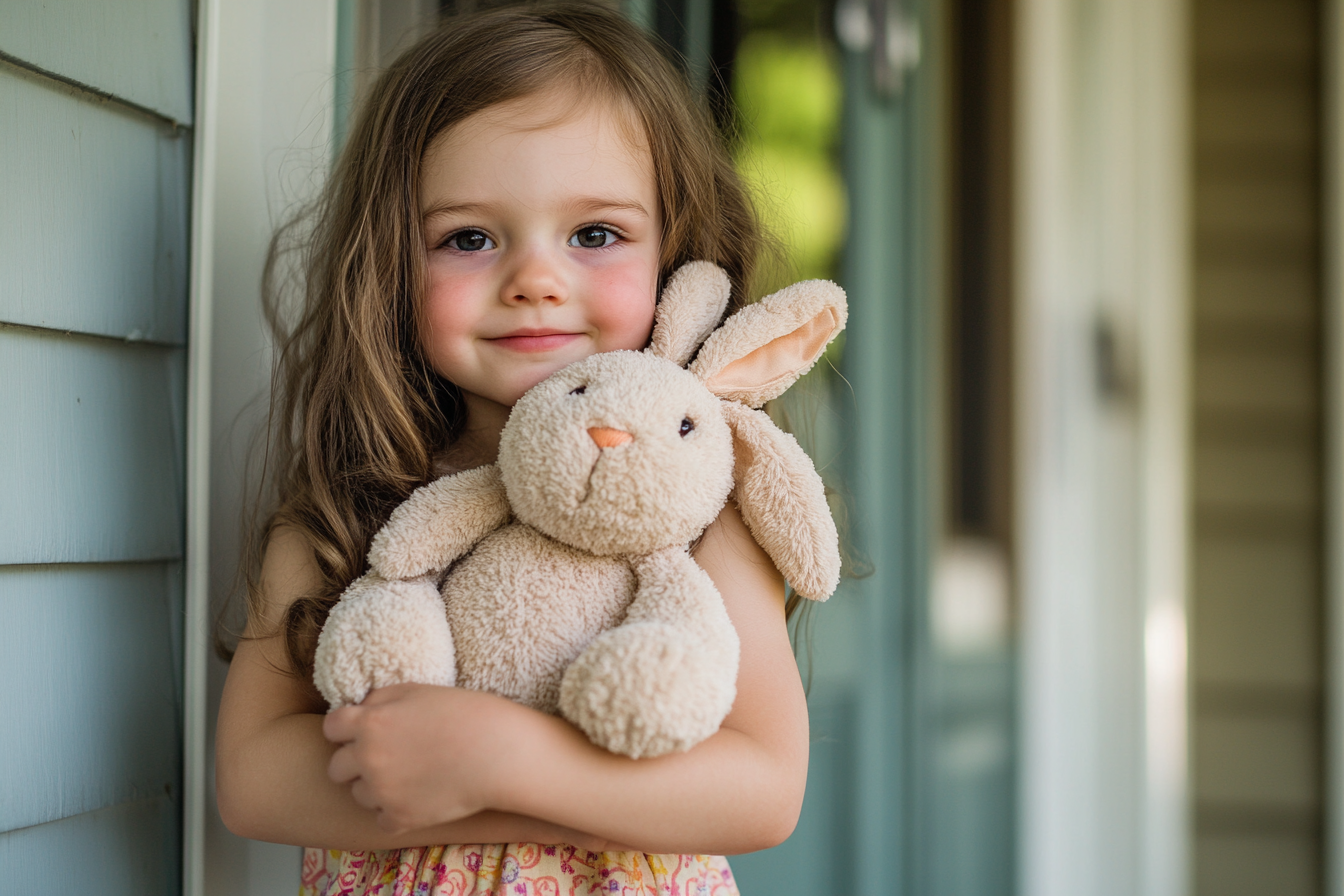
[1257, 647]
[95, 137]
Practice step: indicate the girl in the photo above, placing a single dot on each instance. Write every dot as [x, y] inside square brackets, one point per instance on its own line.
[515, 192]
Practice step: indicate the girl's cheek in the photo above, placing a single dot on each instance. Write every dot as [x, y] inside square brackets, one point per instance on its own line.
[628, 298]
[448, 308]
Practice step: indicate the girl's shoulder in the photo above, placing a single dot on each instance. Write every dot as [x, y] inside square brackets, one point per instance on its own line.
[288, 571]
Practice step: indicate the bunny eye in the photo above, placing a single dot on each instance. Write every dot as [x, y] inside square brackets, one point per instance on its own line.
[686, 427]
[579, 391]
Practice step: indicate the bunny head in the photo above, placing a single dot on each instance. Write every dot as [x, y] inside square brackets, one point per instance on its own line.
[628, 452]
[620, 453]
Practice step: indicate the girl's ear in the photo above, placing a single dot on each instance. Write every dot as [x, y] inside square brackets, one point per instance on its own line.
[783, 502]
[761, 350]
[690, 307]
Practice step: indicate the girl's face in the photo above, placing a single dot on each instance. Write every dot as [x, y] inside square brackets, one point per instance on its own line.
[542, 229]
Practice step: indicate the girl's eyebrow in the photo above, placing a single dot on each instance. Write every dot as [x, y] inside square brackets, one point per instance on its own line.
[587, 205]
[604, 205]
[454, 208]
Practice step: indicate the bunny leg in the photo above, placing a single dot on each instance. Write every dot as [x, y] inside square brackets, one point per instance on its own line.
[664, 679]
[383, 632]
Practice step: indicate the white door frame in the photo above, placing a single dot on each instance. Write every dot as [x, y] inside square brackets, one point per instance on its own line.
[1102, 299]
[264, 110]
[200, 316]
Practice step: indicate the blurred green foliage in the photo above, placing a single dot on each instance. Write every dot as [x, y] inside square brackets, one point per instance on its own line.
[796, 18]
[787, 90]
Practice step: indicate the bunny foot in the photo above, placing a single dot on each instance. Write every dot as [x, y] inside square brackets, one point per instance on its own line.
[383, 632]
[649, 688]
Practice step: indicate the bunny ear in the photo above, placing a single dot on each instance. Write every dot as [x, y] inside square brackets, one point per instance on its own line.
[762, 350]
[783, 502]
[690, 308]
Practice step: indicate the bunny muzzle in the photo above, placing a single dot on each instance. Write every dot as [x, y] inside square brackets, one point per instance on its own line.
[621, 453]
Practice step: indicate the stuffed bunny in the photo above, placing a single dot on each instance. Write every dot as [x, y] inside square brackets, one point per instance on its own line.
[559, 577]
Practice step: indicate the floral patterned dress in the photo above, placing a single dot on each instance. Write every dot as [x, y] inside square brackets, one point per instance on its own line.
[511, 869]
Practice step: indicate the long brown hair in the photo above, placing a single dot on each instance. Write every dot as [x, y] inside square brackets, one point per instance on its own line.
[357, 414]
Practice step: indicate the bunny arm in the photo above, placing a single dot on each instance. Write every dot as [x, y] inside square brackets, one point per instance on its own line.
[664, 679]
[440, 522]
[382, 633]
[783, 502]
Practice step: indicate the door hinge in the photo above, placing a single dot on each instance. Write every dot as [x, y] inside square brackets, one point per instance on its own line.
[858, 26]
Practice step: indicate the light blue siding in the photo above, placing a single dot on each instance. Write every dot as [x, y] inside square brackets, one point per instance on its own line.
[93, 214]
[94, 209]
[126, 850]
[91, 468]
[95, 722]
[138, 50]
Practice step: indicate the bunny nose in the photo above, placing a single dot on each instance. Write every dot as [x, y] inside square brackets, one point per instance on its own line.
[606, 437]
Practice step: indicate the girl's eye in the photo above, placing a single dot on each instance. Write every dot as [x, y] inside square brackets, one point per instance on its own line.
[469, 241]
[686, 427]
[579, 391]
[592, 237]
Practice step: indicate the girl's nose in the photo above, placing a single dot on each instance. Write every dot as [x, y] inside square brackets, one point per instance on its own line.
[605, 437]
[535, 279]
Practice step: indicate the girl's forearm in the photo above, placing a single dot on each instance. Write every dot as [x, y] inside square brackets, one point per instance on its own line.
[275, 788]
[731, 794]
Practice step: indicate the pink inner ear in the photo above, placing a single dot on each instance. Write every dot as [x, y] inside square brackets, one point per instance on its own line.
[782, 357]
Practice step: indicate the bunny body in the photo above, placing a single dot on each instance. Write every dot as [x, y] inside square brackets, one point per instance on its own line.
[518, 626]
[560, 576]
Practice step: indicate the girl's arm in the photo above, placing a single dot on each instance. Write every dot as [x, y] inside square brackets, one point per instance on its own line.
[409, 751]
[271, 758]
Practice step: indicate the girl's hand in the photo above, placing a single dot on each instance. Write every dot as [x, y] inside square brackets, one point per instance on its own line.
[409, 753]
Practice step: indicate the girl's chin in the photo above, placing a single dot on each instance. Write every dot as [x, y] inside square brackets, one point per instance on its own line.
[542, 372]
[507, 390]
[508, 394]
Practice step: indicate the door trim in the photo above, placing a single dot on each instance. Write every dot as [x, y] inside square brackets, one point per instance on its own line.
[196, 632]
[1102, 257]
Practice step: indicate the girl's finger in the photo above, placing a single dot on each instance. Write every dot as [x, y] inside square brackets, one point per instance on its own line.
[390, 824]
[339, 725]
[363, 794]
[343, 766]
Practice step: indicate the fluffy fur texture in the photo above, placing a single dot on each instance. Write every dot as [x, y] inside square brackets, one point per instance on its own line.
[564, 575]
[763, 349]
[531, 620]
[385, 613]
[662, 488]
[440, 522]
[776, 492]
[665, 678]
[702, 289]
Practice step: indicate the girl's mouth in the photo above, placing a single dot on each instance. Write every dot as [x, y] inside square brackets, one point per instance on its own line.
[534, 340]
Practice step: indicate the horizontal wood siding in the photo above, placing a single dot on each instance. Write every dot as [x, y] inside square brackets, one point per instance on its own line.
[96, 721]
[93, 214]
[126, 850]
[94, 470]
[94, 209]
[1257, 752]
[139, 51]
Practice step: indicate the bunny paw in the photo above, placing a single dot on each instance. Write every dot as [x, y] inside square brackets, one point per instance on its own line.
[649, 688]
[383, 632]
